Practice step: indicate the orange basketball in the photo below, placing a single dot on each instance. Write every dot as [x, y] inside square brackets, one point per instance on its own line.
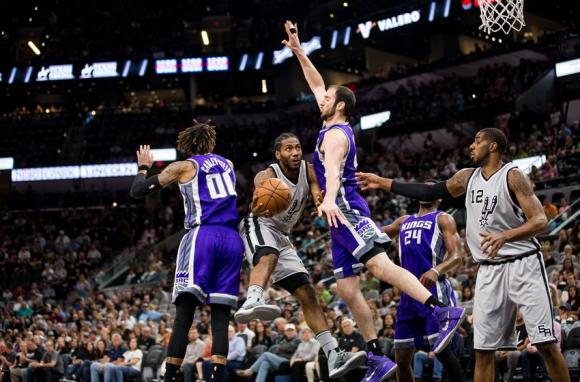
[274, 194]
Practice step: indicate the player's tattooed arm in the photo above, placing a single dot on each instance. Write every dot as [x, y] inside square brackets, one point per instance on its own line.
[536, 220]
[180, 170]
[394, 228]
[455, 186]
[258, 209]
[263, 175]
[315, 190]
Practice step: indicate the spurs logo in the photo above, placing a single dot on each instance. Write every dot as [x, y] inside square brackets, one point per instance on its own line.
[544, 331]
[487, 210]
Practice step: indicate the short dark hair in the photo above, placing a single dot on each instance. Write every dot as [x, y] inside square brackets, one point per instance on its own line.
[197, 139]
[282, 137]
[497, 136]
[344, 94]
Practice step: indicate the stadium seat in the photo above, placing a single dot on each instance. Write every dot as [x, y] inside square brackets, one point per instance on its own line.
[573, 339]
[572, 357]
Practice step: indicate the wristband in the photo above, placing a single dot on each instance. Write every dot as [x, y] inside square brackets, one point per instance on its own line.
[436, 271]
[144, 167]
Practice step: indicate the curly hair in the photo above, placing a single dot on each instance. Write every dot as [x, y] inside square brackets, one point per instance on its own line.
[197, 139]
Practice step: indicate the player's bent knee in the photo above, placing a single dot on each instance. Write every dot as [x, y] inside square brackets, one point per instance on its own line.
[549, 351]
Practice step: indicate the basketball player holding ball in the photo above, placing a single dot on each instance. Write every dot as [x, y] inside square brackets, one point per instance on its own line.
[271, 253]
[356, 240]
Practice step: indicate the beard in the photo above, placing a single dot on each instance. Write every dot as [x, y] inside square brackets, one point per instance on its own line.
[325, 116]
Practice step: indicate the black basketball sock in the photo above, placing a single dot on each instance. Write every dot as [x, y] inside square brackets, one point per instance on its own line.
[451, 363]
[374, 347]
[432, 302]
[217, 372]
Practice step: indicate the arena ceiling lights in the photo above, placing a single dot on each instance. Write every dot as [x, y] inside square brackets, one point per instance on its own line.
[90, 171]
[429, 12]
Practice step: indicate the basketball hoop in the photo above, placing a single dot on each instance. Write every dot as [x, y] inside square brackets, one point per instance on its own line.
[501, 15]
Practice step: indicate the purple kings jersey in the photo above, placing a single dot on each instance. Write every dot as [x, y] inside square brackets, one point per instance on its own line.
[348, 197]
[421, 245]
[210, 197]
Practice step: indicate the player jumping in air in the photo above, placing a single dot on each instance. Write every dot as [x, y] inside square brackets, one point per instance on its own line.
[356, 240]
[270, 252]
[210, 254]
[503, 218]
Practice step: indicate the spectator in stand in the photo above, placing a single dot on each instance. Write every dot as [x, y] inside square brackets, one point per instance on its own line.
[306, 352]
[79, 354]
[50, 368]
[467, 294]
[547, 254]
[272, 360]
[29, 353]
[388, 329]
[420, 359]
[236, 353]
[203, 324]
[146, 340]
[131, 363]
[564, 209]
[244, 332]
[7, 360]
[261, 338]
[113, 357]
[350, 340]
[551, 211]
[149, 313]
[194, 353]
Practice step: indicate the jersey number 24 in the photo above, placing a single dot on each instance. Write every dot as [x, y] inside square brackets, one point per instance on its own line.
[413, 234]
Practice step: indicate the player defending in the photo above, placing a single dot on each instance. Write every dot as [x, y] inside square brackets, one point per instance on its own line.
[270, 252]
[424, 239]
[503, 217]
[210, 254]
[356, 239]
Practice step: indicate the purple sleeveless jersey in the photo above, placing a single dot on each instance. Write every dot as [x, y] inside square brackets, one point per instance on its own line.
[210, 254]
[348, 197]
[421, 247]
[210, 197]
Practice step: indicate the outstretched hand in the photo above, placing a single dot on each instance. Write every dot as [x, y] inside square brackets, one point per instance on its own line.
[144, 156]
[368, 181]
[292, 42]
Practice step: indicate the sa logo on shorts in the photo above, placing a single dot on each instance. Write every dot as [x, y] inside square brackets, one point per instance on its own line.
[543, 330]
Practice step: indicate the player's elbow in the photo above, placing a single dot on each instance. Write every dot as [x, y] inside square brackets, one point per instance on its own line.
[542, 222]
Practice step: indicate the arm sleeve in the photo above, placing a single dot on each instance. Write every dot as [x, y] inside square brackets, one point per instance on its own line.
[142, 186]
[421, 191]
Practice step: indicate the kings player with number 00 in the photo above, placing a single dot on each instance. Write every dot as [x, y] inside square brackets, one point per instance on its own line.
[210, 254]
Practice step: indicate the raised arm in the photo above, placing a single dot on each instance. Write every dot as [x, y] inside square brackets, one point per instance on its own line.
[454, 186]
[143, 186]
[313, 77]
[394, 228]
[536, 220]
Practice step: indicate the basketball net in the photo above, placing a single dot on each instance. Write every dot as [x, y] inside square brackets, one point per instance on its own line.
[501, 15]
